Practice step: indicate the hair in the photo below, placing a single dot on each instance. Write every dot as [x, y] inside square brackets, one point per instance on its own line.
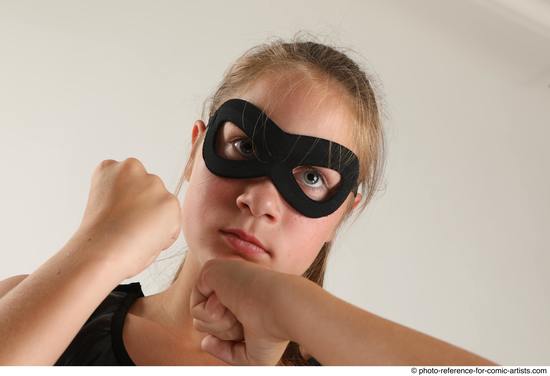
[316, 60]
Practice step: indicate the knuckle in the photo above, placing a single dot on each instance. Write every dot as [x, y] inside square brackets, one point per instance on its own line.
[234, 333]
[107, 162]
[196, 311]
[156, 180]
[132, 160]
[199, 313]
[200, 325]
[133, 164]
[197, 324]
[220, 315]
[227, 325]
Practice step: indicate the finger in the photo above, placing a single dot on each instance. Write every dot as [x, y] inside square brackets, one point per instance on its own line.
[233, 333]
[228, 322]
[217, 326]
[230, 352]
[212, 310]
[214, 307]
[202, 294]
[225, 327]
[209, 269]
[197, 296]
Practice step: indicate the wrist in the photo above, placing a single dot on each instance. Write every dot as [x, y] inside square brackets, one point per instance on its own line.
[93, 251]
[293, 308]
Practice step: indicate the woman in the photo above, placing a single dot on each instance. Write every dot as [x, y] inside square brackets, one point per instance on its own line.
[293, 132]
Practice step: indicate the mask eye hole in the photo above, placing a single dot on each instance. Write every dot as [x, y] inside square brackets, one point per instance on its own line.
[232, 143]
[244, 146]
[318, 183]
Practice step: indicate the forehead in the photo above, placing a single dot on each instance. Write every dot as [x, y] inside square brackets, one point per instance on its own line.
[299, 105]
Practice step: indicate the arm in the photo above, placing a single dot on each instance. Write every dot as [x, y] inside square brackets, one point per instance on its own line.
[338, 333]
[41, 315]
[9, 283]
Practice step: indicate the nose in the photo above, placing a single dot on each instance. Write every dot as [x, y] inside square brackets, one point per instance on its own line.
[261, 198]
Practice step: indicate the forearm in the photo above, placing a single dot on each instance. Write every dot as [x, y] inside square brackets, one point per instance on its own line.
[40, 316]
[338, 333]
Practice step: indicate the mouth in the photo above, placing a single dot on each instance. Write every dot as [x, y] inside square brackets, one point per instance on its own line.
[244, 244]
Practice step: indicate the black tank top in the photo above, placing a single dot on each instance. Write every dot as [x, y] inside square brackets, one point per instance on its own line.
[99, 341]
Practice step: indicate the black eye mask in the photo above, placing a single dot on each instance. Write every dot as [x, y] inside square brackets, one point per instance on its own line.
[280, 156]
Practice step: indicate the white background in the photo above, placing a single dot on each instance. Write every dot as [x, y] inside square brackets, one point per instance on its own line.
[457, 243]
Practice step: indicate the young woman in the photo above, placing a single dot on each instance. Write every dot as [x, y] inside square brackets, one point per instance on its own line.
[293, 146]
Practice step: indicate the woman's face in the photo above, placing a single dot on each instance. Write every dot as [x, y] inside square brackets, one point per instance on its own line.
[213, 203]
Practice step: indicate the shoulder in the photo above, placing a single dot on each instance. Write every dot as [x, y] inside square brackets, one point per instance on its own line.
[96, 343]
[119, 299]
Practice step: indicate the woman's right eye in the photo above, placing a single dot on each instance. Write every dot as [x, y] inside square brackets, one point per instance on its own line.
[244, 146]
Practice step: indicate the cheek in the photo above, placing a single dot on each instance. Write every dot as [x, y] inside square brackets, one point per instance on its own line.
[206, 190]
[206, 199]
[304, 238]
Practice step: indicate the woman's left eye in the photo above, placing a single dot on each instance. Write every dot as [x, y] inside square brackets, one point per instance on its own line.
[313, 178]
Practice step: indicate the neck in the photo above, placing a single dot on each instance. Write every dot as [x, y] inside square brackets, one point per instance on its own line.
[171, 307]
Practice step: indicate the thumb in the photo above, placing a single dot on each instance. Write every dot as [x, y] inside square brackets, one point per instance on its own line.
[209, 278]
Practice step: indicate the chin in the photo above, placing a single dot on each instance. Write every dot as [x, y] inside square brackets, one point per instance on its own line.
[228, 254]
[219, 253]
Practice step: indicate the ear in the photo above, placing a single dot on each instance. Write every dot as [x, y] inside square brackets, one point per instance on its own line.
[357, 200]
[198, 129]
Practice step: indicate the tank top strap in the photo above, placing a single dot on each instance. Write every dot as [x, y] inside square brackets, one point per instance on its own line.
[133, 291]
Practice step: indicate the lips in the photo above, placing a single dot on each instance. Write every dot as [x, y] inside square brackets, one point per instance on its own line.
[240, 239]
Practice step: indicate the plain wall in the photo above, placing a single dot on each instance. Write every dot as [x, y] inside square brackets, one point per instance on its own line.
[455, 245]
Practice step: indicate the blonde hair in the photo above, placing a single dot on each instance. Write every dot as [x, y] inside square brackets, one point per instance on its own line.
[315, 60]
